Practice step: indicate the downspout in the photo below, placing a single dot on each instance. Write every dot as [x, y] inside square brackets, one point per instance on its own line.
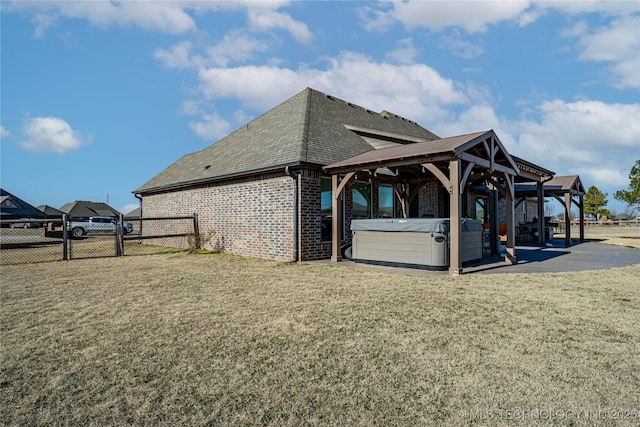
[139, 197]
[295, 211]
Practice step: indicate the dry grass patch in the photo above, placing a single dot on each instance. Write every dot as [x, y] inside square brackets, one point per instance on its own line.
[222, 340]
[628, 236]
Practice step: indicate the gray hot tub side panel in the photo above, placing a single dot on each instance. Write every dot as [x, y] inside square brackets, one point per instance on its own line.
[413, 241]
[400, 247]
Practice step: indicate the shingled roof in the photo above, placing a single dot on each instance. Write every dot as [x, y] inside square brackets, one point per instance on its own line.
[86, 209]
[13, 207]
[311, 128]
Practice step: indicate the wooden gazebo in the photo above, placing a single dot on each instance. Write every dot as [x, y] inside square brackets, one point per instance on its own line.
[567, 190]
[456, 162]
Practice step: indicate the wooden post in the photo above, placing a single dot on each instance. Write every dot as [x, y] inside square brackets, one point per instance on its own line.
[120, 236]
[581, 207]
[196, 231]
[511, 228]
[336, 255]
[455, 210]
[541, 229]
[567, 212]
[65, 237]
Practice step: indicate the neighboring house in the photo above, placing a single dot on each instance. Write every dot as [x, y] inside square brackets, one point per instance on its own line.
[134, 213]
[50, 211]
[85, 209]
[262, 191]
[12, 207]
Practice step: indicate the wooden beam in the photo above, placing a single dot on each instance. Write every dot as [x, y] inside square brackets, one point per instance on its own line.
[540, 205]
[440, 175]
[336, 255]
[496, 184]
[494, 150]
[581, 208]
[511, 228]
[509, 185]
[414, 192]
[486, 147]
[455, 210]
[336, 214]
[567, 212]
[486, 164]
[343, 182]
[400, 191]
[465, 176]
[390, 163]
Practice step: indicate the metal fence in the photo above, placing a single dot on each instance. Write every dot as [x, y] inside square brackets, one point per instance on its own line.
[154, 235]
[57, 239]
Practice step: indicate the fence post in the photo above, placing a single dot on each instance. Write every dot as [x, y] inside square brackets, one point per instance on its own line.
[118, 241]
[196, 230]
[65, 238]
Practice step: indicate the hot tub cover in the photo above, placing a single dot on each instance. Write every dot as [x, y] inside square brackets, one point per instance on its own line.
[418, 225]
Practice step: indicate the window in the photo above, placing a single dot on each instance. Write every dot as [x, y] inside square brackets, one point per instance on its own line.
[325, 209]
[385, 201]
[361, 199]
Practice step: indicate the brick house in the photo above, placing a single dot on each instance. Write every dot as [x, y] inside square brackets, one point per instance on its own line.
[243, 187]
[261, 191]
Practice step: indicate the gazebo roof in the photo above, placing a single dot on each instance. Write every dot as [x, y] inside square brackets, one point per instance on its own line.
[483, 148]
[558, 186]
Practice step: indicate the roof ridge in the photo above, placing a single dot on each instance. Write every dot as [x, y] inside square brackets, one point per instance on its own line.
[304, 149]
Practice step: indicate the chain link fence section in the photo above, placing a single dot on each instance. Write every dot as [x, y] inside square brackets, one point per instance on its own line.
[26, 241]
[46, 240]
[155, 235]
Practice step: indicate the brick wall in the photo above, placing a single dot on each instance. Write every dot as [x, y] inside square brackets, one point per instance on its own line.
[250, 217]
[312, 247]
[254, 216]
[428, 198]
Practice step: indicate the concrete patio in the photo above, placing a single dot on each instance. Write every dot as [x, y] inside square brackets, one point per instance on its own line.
[532, 259]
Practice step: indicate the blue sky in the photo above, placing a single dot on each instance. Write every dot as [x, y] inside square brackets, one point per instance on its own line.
[97, 97]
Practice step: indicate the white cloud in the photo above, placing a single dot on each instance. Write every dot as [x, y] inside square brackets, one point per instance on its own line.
[596, 140]
[4, 133]
[472, 16]
[476, 16]
[51, 134]
[405, 53]
[605, 7]
[235, 47]
[265, 20]
[618, 44]
[179, 56]
[460, 47]
[211, 127]
[191, 107]
[172, 17]
[415, 90]
[169, 17]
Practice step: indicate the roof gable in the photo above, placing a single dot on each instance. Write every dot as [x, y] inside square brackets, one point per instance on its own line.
[50, 211]
[86, 209]
[14, 207]
[481, 147]
[308, 128]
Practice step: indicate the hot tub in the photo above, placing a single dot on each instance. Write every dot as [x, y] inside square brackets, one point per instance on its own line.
[412, 242]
